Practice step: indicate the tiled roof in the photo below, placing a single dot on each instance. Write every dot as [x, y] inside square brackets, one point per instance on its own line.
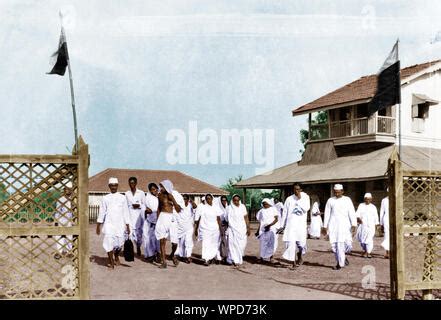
[360, 89]
[182, 182]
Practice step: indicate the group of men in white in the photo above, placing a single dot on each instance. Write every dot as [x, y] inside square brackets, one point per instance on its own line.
[163, 214]
[151, 219]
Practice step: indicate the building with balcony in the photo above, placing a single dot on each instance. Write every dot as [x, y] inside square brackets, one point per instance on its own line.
[346, 145]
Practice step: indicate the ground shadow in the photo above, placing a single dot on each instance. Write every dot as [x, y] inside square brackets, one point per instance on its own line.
[380, 291]
[103, 261]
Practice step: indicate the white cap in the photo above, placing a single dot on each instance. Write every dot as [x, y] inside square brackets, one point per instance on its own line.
[113, 180]
[367, 195]
[338, 187]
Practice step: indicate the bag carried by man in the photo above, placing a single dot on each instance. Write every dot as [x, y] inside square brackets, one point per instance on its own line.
[129, 253]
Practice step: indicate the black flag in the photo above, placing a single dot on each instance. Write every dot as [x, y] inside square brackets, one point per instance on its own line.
[388, 83]
[60, 57]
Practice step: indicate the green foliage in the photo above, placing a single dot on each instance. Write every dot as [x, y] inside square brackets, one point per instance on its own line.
[4, 194]
[320, 117]
[41, 208]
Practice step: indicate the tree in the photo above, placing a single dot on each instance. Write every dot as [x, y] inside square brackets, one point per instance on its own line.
[320, 117]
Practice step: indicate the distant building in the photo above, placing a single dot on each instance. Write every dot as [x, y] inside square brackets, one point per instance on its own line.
[351, 148]
[185, 184]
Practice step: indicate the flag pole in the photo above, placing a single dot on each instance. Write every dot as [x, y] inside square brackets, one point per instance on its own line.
[72, 94]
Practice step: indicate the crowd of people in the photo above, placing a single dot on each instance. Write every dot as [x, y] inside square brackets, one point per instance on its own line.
[163, 214]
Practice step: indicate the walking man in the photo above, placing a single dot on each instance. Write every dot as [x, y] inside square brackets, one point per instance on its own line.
[114, 216]
[294, 223]
[340, 223]
[136, 202]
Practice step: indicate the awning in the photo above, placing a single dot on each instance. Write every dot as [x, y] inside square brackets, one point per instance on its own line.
[359, 167]
[419, 98]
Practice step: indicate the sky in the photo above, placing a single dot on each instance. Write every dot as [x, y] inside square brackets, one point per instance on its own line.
[144, 69]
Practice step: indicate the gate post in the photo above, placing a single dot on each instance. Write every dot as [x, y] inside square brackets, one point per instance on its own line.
[396, 236]
[83, 218]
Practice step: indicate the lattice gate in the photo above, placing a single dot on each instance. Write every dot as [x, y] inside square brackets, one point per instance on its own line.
[44, 250]
[415, 225]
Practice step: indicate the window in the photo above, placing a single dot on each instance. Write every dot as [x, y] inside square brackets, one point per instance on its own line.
[420, 111]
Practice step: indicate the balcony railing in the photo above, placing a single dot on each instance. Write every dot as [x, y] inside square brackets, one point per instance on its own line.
[353, 127]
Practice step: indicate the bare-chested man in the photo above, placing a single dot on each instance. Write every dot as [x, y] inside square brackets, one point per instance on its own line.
[166, 226]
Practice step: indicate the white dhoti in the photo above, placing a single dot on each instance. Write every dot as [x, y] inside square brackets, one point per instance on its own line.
[113, 242]
[340, 249]
[136, 225]
[294, 237]
[210, 244]
[166, 227]
[366, 238]
[236, 246]
[185, 243]
[268, 244]
[291, 249]
[315, 226]
[149, 241]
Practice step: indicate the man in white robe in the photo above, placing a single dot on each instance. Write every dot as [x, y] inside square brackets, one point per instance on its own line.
[136, 202]
[268, 218]
[238, 230]
[294, 223]
[114, 217]
[340, 223]
[315, 227]
[208, 230]
[367, 218]
[384, 222]
[63, 218]
[150, 243]
[185, 221]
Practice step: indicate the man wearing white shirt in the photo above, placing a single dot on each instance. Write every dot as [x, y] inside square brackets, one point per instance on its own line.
[114, 216]
[294, 223]
[136, 203]
[367, 218]
[340, 223]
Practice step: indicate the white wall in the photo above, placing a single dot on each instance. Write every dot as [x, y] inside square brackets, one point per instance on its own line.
[430, 85]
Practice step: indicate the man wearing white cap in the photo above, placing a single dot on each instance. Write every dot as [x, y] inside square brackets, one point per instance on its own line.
[340, 222]
[114, 216]
[367, 218]
[136, 202]
[63, 218]
[170, 204]
[294, 224]
[384, 222]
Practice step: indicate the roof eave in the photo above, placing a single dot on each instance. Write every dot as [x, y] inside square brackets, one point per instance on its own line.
[329, 107]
